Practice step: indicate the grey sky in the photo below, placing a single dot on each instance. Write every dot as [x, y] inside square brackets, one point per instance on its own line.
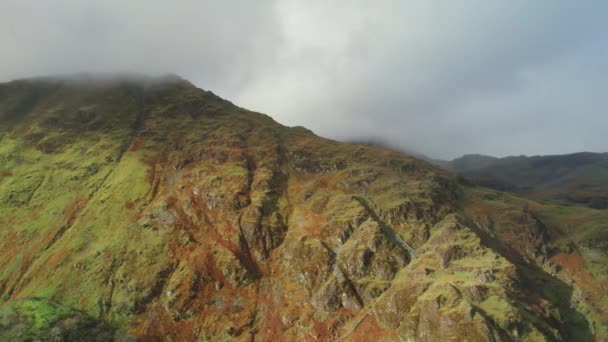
[441, 77]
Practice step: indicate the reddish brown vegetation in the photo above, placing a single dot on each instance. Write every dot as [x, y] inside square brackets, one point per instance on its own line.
[572, 262]
[533, 207]
[272, 327]
[316, 223]
[73, 209]
[329, 330]
[369, 330]
[136, 145]
[7, 173]
[482, 210]
[571, 221]
[212, 270]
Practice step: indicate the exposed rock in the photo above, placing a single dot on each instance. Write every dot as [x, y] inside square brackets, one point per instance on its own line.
[483, 275]
[477, 293]
[451, 253]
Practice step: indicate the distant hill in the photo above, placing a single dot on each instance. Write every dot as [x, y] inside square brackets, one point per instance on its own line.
[580, 178]
[470, 162]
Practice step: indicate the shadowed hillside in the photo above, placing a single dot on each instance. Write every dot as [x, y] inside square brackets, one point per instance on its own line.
[580, 178]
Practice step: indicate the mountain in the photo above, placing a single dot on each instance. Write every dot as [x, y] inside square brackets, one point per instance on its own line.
[579, 178]
[380, 143]
[150, 209]
[470, 162]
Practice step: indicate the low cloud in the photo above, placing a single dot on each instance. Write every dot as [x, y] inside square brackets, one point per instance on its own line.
[442, 78]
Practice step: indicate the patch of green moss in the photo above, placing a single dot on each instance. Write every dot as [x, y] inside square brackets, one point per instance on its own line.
[42, 313]
[37, 319]
[499, 309]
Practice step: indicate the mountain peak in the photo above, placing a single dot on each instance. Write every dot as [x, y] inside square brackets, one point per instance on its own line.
[128, 202]
[107, 79]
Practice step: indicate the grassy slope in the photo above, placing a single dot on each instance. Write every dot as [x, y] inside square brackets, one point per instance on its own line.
[164, 209]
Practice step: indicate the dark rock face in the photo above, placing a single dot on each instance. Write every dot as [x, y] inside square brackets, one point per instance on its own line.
[477, 293]
[451, 253]
[178, 215]
[483, 276]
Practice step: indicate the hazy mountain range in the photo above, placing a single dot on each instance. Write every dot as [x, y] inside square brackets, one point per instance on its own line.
[577, 178]
[580, 178]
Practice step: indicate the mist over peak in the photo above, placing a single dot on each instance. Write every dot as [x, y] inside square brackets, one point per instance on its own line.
[105, 79]
[506, 78]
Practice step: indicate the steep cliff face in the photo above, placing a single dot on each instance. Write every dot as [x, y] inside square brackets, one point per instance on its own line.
[167, 211]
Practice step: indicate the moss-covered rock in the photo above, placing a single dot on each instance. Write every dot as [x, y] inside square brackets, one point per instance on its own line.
[37, 319]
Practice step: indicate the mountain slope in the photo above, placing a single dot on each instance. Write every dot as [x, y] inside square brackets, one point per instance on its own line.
[167, 211]
[580, 178]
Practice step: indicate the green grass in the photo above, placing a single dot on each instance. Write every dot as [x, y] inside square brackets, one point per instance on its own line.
[42, 313]
[37, 319]
[499, 309]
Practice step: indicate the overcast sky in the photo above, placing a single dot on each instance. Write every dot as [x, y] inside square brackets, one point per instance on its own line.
[443, 78]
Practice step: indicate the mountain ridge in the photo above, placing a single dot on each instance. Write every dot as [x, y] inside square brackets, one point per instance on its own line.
[578, 178]
[165, 209]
